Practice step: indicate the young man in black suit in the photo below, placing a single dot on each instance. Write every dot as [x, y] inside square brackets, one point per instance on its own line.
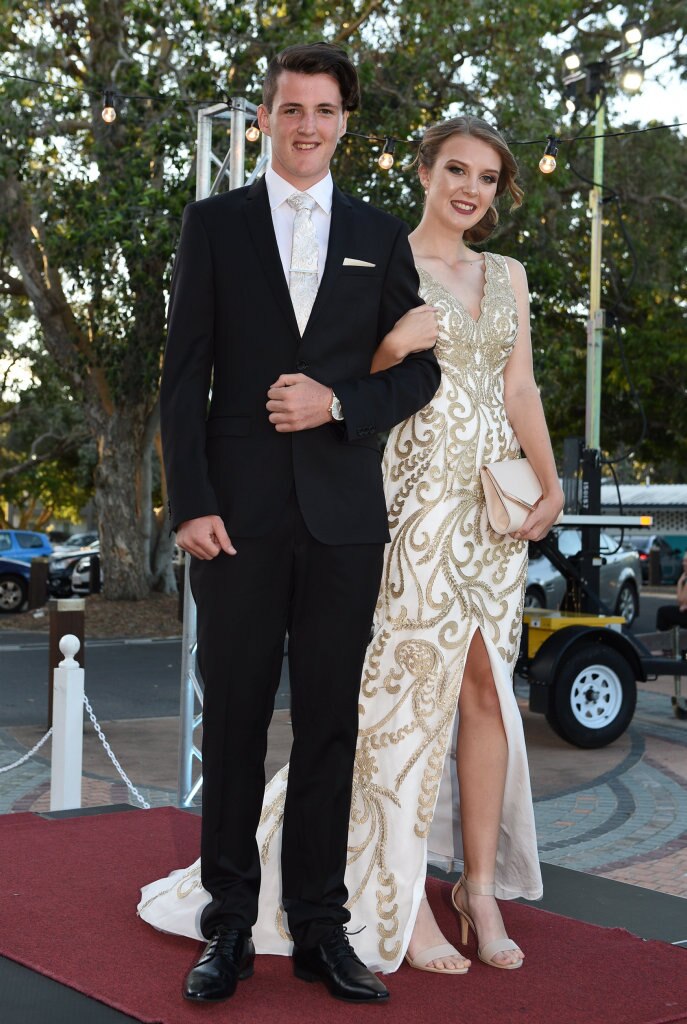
[275, 490]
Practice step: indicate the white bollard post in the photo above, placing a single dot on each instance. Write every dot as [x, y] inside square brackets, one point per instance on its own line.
[67, 728]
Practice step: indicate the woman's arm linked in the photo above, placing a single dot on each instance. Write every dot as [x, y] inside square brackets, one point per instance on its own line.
[416, 331]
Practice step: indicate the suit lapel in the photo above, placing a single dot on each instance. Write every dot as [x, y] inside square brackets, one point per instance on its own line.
[339, 234]
[259, 218]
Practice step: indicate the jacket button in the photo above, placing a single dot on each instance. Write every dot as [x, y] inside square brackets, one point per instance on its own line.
[301, 367]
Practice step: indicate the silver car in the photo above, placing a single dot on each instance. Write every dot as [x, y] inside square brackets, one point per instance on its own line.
[81, 575]
[620, 576]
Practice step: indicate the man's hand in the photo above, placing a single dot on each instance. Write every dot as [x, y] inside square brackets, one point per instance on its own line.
[204, 537]
[297, 402]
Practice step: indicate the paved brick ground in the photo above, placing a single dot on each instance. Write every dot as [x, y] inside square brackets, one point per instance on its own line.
[620, 812]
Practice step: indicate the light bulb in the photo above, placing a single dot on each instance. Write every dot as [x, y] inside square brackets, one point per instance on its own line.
[109, 113]
[572, 60]
[547, 164]
[386, 159]
[252, 133]
[632, 78]
[632, 31]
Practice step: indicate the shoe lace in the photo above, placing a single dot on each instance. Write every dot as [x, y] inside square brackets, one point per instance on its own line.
[223, 941]
[340, 944]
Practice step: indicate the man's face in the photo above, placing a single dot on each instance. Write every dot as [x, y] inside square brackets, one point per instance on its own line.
[305, 124]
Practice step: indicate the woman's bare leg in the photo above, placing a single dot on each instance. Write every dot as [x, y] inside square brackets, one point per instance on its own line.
[482, 759]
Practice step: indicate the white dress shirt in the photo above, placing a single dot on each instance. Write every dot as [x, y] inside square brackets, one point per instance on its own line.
[278, 191]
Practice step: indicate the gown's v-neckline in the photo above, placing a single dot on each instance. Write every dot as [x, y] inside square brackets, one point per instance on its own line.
[474, 320]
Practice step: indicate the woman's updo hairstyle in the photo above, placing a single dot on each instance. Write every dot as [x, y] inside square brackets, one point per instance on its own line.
[434, 138]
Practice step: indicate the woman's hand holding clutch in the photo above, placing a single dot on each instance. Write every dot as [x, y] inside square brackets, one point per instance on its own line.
[542, 517]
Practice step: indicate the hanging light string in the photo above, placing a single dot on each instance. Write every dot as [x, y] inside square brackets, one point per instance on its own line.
[547, 164]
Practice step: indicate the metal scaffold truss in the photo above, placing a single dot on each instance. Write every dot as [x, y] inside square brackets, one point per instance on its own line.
[229, 169]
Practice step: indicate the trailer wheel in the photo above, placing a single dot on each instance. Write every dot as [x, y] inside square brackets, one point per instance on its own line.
[594, 697]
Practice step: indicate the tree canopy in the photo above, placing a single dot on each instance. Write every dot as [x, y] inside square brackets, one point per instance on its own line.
[90, 212]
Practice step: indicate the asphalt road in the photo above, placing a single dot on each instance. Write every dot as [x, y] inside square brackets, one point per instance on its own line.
[124, 679]
[135, 678]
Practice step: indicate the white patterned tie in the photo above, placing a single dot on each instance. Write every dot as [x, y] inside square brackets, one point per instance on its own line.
[304, 258]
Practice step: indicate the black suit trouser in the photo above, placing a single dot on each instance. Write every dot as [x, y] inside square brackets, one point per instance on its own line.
[324, 595]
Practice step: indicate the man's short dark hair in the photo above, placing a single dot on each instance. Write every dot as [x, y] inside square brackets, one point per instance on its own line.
[314, 59]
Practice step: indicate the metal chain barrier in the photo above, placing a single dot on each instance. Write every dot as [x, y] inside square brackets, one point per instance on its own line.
[108, 750]
[28, 754]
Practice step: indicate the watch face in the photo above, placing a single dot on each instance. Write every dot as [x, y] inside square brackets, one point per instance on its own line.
[337, 411]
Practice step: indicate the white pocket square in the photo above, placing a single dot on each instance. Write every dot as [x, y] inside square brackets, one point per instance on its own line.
[349, 262]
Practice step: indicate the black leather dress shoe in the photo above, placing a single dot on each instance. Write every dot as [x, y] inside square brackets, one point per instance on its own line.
[228, 958]
[334, 962]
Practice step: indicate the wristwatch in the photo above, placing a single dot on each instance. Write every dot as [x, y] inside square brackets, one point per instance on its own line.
[335, 409]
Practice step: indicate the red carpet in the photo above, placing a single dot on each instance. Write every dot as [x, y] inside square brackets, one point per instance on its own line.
[69, 888]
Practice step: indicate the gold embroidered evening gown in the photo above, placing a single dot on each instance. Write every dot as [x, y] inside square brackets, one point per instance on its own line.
[446, 575]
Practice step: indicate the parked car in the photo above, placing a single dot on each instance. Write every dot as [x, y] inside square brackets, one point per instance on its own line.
[620, 576]
[77, 542]
[81, 574]
[671, 558]
[61, 569]
[18, 548]
[24, 545]
[14, 584]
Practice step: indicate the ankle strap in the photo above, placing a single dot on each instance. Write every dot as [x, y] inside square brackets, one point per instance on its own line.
[478, 888]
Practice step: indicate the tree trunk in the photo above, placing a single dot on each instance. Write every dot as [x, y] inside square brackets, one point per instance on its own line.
[164, 580]
[124, 429]
[119, 489]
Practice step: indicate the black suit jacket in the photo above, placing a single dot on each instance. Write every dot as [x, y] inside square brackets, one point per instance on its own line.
[232, 329]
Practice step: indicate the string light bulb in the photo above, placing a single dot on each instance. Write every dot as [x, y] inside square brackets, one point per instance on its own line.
[109, 113]
[252, 132]
[386, 158]
[547, 164]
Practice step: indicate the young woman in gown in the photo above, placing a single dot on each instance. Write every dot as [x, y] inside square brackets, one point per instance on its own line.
[441, 768]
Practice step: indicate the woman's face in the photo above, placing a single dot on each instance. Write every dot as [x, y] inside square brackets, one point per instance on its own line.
[461, 186]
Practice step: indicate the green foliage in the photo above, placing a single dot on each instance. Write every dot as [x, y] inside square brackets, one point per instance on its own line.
[107, 199]
[46, 455]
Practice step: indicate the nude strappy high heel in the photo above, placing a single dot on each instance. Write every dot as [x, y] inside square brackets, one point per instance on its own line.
[425, 957]
[487, 952]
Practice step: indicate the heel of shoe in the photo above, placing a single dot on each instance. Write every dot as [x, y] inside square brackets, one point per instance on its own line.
[466, 921]
[464, 929]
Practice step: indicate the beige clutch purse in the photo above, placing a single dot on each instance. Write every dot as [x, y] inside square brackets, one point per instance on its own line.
[511, 490]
